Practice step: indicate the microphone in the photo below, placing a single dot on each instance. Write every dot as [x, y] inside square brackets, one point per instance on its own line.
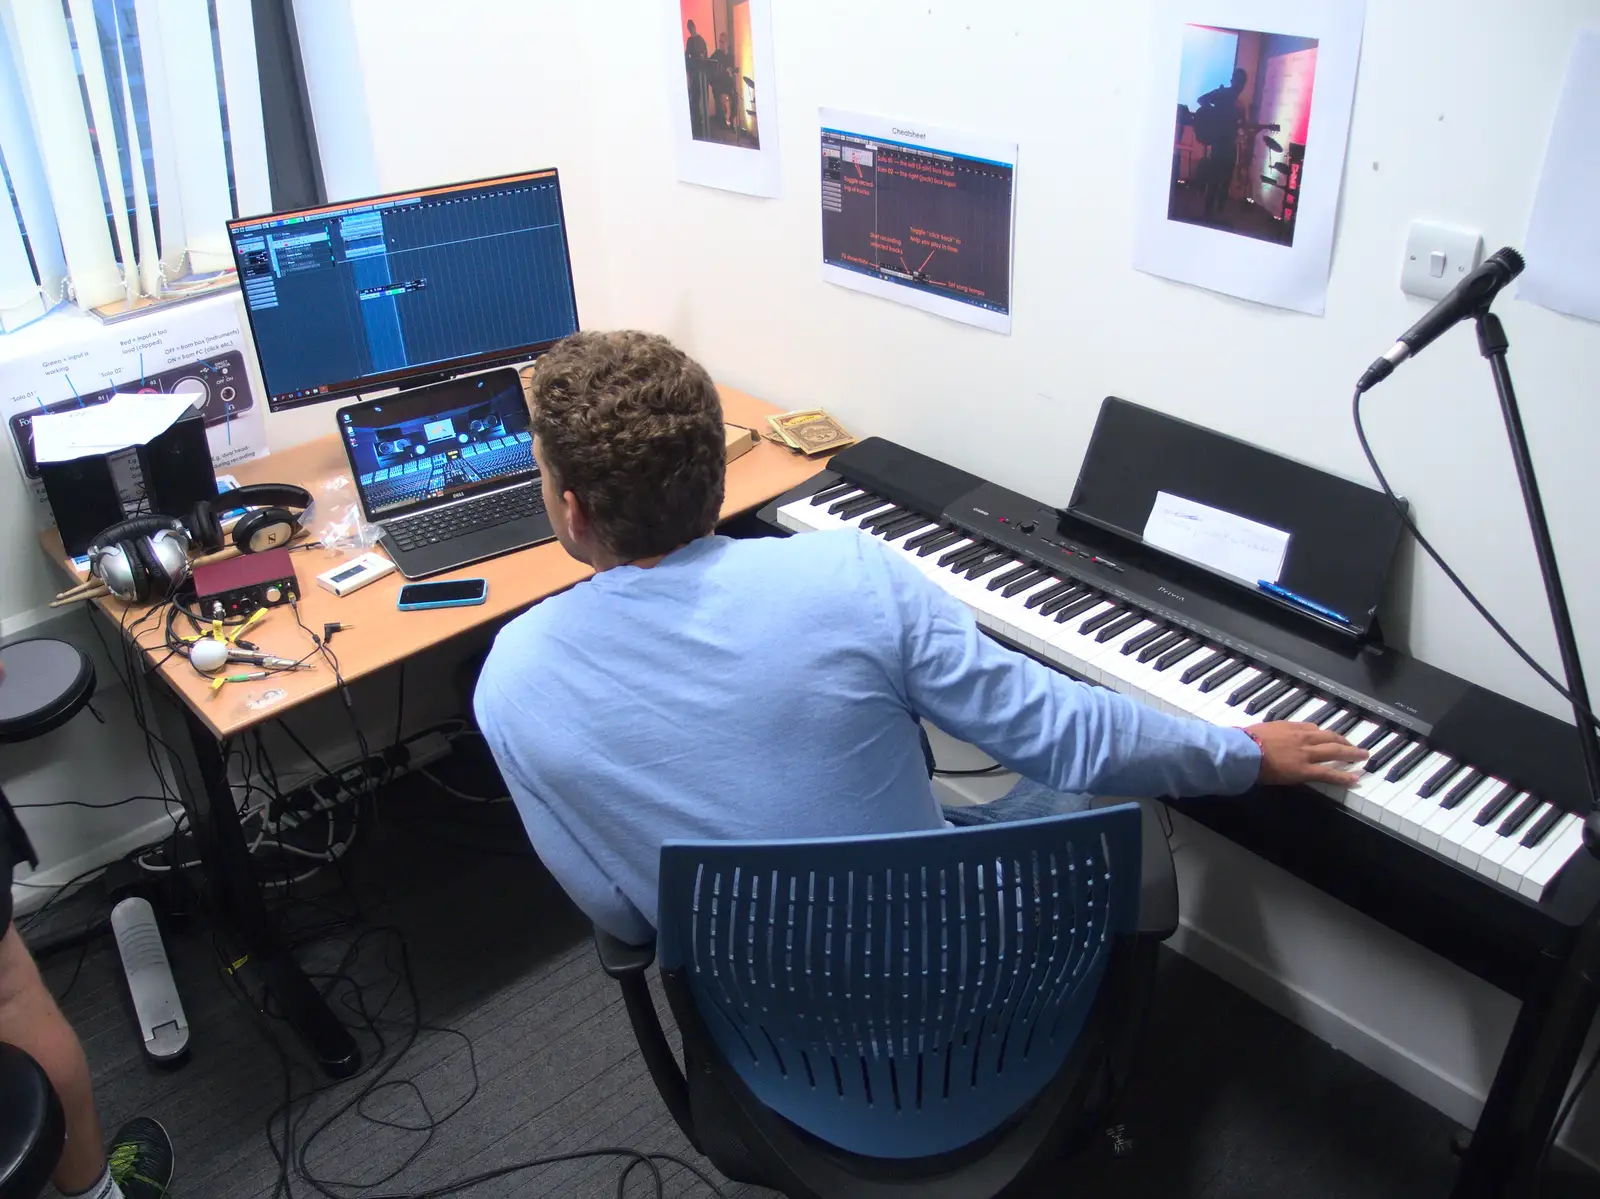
[1470, 297]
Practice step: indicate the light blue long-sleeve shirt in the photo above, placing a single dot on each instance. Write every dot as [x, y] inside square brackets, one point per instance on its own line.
[771, 688]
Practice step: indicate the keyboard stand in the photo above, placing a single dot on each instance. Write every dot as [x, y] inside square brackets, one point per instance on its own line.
[1506, 1154]
[200, 773]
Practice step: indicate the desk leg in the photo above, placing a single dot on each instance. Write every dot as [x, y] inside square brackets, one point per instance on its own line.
[1557, 1012]
[202, 779]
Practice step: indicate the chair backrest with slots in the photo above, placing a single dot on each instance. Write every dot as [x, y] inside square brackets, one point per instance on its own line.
[901, 996]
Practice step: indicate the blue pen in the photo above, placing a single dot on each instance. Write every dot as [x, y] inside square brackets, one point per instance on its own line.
[1284, 593]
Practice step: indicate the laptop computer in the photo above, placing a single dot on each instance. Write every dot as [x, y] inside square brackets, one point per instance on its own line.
[447, 471]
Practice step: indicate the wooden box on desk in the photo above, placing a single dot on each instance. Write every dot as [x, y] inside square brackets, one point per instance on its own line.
[740, 440]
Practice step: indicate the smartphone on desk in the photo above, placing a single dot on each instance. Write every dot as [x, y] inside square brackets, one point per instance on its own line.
[451, 593]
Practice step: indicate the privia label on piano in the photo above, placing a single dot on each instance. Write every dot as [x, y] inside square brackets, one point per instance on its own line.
[1169, 592]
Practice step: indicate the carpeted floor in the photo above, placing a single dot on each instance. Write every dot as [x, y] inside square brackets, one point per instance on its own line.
[1232, 1101]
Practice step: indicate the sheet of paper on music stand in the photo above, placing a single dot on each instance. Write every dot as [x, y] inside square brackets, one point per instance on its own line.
[1563, 245]
[1243, 548]
[122, 421]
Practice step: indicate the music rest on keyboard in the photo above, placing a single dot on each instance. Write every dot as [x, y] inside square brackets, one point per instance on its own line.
[1469, 777]
[467, 516]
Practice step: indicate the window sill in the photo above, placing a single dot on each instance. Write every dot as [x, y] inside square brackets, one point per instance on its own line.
[61, 324]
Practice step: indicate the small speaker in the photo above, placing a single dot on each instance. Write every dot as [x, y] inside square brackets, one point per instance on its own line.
[177, 467]
[83, 497]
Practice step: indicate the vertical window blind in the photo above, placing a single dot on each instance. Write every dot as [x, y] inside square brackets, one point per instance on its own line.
[130, 131]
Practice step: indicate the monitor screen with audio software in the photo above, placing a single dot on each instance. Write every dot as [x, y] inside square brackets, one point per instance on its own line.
[398, 290]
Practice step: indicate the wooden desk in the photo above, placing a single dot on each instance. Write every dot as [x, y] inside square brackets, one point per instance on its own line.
[194, 721]
[381, 635]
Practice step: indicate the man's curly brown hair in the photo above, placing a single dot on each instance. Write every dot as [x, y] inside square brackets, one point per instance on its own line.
[633, 427]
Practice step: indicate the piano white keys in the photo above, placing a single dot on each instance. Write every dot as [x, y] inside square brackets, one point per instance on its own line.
[1191, 697]
[1137, 678]
[1487, 840]
[1304, 709]
[1568, 841]
[1366, 794]
[1184, 698]
[1408, 794]
[1156, 673]
[1439, 824]
[1454, 840]
[1031, 628]
[1223, 709]
[1431, 798]
[1505, 845]
[854, 522]
[1077, 647]
[1516, 867]
[802, 516]
[1115, 669]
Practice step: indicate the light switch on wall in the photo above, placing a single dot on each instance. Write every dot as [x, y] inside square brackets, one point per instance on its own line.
[1437, 258]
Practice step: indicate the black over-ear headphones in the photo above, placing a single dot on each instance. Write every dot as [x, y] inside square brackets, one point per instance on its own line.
[141, 559]
[269, 524]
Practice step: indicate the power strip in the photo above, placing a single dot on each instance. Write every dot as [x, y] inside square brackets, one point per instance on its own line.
[351, 781]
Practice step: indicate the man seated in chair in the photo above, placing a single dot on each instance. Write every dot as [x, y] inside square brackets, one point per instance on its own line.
[699, 687]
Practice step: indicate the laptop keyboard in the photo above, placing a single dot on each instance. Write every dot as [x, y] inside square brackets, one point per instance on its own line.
[469, 516]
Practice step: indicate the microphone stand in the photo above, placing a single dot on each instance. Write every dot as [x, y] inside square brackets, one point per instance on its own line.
[1518, 1123]
[1493, 344]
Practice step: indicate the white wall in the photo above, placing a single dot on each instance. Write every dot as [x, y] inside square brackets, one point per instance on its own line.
[736, 280]
[1452, 108]
[328, 50]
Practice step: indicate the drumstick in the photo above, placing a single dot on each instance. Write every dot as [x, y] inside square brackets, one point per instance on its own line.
[88, 584]
[97, 593]
[222, 555]
[233, 551]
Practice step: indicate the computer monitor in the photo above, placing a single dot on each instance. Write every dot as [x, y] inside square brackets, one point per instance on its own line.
[405, 289]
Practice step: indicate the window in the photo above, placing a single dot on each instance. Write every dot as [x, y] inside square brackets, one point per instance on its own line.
[130, 131]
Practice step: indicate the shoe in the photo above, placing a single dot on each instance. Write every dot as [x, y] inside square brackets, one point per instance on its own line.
[141, 1159]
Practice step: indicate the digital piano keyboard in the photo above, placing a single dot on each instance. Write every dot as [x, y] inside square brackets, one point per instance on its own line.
[1463, 829]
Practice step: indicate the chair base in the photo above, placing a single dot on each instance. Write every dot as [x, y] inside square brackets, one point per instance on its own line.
[33, 1127]
[750, 1144]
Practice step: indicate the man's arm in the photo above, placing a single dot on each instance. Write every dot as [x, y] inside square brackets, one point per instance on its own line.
[562, 853]
[1066, 734]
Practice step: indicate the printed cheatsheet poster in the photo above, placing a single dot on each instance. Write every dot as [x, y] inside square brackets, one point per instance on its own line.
[918, 214]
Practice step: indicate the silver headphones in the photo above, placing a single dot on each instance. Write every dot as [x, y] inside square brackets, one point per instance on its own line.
[141, 559]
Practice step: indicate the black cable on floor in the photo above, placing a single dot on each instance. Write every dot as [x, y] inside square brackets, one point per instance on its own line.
[372, 988]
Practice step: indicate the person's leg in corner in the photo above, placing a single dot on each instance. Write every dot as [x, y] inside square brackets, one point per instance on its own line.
[30, 1020]
[1028, 800]
[140, 1162]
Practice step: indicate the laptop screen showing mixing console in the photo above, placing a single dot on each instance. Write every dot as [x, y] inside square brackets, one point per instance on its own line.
[406, 288]
[448, 440]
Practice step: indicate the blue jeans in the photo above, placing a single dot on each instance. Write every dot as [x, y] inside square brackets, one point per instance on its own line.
[1028, 800]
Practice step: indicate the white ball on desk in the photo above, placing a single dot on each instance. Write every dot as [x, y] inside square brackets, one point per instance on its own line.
[208, 655]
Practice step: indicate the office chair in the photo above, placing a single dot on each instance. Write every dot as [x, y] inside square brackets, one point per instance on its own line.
[942, 1014]
[32, 1126]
